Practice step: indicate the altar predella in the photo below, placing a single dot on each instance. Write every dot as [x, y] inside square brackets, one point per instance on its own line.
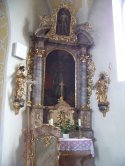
[56, 85]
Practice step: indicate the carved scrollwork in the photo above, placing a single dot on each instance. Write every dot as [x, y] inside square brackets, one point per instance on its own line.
[47, 140]
[45, 21]
[36, 118]
[44, 26]
[46, 130]
[90, 73]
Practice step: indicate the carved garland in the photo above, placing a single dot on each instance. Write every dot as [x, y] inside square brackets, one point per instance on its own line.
[90, 73]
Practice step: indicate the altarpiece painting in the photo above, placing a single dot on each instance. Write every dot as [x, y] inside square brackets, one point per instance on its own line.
[59, 78]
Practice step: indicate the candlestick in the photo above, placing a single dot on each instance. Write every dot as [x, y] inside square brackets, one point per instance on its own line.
[79, 122]
[51, 121]
[80, 131]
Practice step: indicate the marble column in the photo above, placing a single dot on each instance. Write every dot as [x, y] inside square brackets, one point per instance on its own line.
[83, 78]
[37, 77]
[37, 92]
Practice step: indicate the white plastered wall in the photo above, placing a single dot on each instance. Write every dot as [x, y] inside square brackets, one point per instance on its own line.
[23, 20]
[109, 131]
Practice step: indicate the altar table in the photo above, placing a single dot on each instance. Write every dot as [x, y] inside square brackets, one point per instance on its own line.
[76, 152]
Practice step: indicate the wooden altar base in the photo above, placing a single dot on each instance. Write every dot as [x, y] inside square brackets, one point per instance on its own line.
[76, 159]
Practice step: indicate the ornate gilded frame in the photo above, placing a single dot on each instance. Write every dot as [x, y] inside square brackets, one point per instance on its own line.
[72, 53]
[52, 33]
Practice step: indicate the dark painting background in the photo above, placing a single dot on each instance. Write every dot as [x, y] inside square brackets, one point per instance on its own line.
[60, 67]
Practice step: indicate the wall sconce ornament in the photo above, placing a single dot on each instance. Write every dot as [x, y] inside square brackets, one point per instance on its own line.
[101, 87]
[20, 88]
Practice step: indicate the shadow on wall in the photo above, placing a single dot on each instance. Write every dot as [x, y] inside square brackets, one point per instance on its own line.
[96, 152]
[26, 31]
[11, 94]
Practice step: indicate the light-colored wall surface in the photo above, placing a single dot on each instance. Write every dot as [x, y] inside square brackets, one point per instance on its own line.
[23, 20]
[108, 131]
[3, 51]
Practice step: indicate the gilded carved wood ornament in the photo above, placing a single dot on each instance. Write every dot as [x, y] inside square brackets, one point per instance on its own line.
[101, 87]
[20, 88]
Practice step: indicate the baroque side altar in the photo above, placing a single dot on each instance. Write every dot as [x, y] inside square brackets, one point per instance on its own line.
[58, 80]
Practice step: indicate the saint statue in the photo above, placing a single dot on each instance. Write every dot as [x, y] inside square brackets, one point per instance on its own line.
[63, 22]
[102, 88]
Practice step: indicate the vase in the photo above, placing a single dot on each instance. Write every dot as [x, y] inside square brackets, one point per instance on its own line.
[65, 136]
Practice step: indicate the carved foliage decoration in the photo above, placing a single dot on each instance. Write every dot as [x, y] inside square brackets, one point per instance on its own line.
[101, 87]
[36, 118]
[45, 22]
[90, 73]
[30, 62]
[62, 112]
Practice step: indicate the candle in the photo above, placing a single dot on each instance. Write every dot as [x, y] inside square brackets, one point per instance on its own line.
[51, 121]
[79, 122]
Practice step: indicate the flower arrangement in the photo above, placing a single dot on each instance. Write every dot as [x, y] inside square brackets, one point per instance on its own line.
[66, 126]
